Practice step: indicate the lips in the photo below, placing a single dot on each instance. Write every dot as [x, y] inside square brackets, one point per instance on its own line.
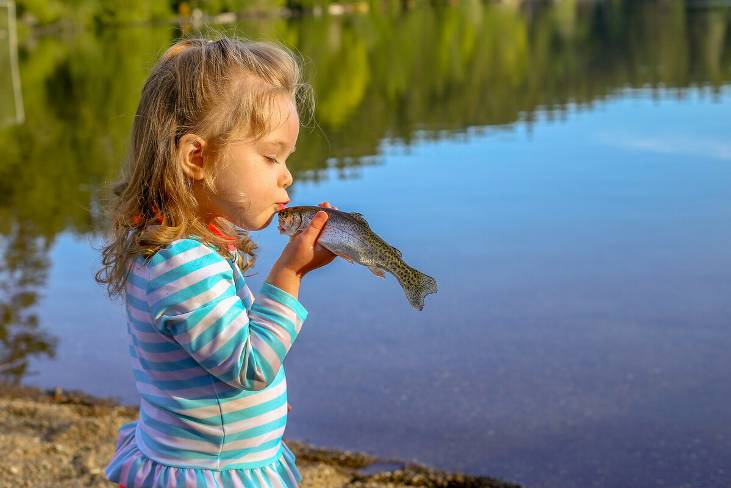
[281, 205]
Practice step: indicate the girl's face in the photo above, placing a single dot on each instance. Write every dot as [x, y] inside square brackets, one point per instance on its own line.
[252, 178]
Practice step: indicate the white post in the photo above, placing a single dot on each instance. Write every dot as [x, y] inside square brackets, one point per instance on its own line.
[14, 71]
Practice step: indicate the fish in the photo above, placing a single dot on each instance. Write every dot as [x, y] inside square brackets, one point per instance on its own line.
[348, 235]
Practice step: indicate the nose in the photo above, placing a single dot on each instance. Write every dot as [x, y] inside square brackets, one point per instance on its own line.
[286, 179]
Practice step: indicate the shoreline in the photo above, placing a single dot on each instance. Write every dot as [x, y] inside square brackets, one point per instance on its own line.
[57, 438]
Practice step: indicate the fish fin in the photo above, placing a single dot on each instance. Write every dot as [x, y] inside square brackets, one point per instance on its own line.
[416, 286]
[344, 256]
[376, 271]
[397, 251]
[359, 217]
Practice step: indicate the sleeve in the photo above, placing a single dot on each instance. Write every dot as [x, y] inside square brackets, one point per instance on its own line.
[192, 298]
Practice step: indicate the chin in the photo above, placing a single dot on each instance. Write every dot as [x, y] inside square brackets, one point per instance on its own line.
[254, 224]
[265, 224]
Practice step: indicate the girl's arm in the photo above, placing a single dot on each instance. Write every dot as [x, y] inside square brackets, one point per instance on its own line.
[192, 297]
[285, 279]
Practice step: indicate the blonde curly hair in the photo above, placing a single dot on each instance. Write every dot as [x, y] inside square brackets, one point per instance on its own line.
[209, 88]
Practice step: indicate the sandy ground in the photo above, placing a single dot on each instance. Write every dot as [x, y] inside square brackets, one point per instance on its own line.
[64, 439]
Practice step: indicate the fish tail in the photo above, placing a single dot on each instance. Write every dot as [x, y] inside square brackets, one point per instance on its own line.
[416, 285]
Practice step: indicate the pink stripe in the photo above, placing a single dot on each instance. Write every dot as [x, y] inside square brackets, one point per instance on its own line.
[197, 393]
[215, 313]
[182, 422]
[139, 315]
[226, 332]
[258, 475]
[158, 473]
[142, 473]
[179, 259]
[291, 475]
[181, 374]
[158, 357]
[274, 478]
[173, 478]
[251, 422]
[238, 482]
[279, 309]
[151, 337]
[200, 274]
[209, 479]
[218, 479]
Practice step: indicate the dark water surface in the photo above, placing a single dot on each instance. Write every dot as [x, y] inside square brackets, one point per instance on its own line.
[563, 171]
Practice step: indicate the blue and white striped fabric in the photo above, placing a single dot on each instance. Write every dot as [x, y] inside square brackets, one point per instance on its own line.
[207, 361]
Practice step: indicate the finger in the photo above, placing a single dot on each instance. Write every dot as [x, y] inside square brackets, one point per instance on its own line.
[325, 204]
[315, 227]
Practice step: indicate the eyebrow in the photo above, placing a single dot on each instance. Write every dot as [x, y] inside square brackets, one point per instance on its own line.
[281, 144]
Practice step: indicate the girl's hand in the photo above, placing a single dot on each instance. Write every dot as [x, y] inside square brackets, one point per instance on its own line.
[303, 253]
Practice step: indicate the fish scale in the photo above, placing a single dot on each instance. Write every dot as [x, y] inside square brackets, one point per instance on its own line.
[348, 235]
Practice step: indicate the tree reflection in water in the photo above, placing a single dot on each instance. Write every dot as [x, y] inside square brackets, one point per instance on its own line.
[23, 272]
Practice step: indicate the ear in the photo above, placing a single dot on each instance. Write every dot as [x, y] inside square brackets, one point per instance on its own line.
[191, 148]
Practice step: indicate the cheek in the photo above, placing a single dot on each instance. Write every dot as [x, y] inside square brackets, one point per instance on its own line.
[234, 185]
[247, 184]
[229, 191]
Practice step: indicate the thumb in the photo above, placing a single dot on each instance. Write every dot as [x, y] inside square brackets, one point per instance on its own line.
[316, 226]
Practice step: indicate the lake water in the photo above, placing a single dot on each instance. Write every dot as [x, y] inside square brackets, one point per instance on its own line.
[563, 171]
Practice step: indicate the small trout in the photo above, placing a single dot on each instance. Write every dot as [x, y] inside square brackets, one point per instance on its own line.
[349, 236]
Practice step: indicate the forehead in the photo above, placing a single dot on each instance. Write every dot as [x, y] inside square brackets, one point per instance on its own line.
[281, 125]
[284, 122]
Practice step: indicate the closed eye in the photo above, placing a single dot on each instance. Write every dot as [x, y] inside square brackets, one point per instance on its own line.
[271, 159]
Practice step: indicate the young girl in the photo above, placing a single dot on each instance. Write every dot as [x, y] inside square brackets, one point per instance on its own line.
[214, 127]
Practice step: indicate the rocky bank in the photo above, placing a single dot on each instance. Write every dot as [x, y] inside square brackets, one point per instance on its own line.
[64, 439]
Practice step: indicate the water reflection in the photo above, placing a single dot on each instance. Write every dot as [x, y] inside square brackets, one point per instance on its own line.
[426, 73]
[23, 272]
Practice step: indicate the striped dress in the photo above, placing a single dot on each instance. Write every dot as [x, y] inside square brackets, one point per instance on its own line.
[207, 361]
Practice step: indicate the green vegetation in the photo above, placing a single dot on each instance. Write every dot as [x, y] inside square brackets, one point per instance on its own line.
[421, 73]
[111, 12]
[88, 12]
